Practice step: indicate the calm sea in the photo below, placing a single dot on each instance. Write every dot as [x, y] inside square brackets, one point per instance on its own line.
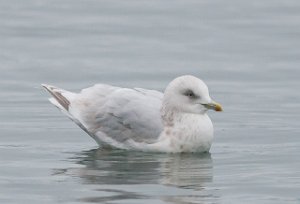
[248, 52]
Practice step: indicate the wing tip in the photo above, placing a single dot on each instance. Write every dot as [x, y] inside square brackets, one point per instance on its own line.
[48, 87]
[57, 95]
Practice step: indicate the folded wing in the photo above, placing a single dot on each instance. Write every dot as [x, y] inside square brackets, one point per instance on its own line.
[113, 116]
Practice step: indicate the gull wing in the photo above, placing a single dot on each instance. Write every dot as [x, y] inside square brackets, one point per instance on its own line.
[113, 115]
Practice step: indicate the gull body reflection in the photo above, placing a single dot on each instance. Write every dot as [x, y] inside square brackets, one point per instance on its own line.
[119, 175]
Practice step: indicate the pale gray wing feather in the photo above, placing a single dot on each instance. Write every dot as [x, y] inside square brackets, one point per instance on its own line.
[119, 113]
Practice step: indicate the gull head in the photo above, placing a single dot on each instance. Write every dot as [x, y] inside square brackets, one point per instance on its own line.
[188, 94]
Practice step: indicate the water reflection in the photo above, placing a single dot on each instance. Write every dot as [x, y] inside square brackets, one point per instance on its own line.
[143, 173]
[186, 170]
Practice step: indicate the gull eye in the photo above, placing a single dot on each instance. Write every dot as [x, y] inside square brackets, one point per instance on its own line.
[190, 94]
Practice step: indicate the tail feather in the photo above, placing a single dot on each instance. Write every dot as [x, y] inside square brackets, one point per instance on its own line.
[59, 96]
[62, 99]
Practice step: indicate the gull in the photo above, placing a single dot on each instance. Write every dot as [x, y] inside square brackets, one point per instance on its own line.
[140, 119]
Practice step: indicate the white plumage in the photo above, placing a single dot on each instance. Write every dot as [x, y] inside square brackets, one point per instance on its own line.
[141, 119]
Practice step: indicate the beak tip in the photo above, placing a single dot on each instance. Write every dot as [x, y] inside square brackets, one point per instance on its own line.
[218, 107]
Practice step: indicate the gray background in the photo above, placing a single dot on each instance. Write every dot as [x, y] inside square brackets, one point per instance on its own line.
[246, 51]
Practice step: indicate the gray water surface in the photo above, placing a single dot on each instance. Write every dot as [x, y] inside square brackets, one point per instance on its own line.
[246, 51]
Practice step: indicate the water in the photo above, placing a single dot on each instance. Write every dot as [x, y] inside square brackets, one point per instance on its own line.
[246, 51]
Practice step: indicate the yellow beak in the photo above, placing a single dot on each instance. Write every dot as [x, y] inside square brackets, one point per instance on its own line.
[214, 105]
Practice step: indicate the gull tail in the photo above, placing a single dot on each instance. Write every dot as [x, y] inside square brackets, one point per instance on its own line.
[61, 98]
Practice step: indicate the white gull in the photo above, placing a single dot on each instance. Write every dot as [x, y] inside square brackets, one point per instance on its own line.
[141, 119]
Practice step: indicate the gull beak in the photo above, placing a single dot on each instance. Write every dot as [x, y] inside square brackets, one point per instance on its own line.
[214, 105]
